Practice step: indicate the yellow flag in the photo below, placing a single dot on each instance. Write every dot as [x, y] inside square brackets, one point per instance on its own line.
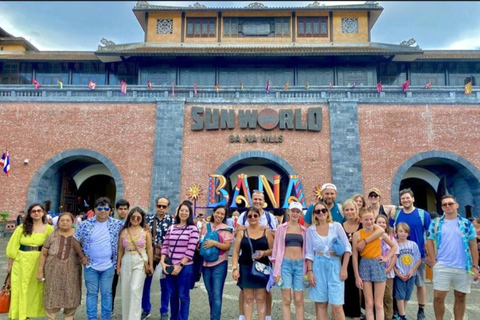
[468, 88]
[60, 83]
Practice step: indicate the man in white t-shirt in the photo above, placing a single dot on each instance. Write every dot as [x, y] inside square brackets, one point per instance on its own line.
[267, 221]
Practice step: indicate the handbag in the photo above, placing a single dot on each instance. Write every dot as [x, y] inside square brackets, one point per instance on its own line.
[259, 270]
[157, 249]
[5, 295]
[168, 260]
[146, 267]
[338, 246]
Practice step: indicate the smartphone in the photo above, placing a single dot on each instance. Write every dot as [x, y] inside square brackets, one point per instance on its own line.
[256, 254]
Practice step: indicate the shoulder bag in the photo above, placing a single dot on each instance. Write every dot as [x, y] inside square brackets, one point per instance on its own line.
[145, 263]
[168, 260]
[259, 270]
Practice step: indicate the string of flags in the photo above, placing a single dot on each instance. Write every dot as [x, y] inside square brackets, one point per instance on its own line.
[5, 162]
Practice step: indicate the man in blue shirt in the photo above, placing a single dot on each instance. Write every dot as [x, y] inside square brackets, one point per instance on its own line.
[418, 220]
[329, 195]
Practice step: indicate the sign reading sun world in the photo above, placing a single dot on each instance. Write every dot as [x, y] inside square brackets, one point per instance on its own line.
[267, 119]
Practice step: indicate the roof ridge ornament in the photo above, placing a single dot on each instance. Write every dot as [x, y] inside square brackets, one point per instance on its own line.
[408, 43]
[106, 43]
[142, 5]
[315, 4]
[197, 6]
[256, 5]
[374, 3]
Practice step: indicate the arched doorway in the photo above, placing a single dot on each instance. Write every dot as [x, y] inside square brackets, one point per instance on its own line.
[253, 164]
[433, 174]
[73, 179]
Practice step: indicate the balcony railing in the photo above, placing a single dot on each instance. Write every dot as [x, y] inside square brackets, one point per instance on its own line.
[210, 94]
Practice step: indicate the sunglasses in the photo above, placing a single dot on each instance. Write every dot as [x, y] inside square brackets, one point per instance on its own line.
[317, 211]
[133, 218]
[448, 204]
[36, 211]
[161, 206]
[373, 195]
[103, 208]
[200, 215]
[253, 216]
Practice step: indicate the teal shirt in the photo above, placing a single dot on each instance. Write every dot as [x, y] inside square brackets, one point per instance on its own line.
[336, 215]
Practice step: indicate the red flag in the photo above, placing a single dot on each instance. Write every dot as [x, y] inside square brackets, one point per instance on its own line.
[92, 84]
[123, 87]
[5, 163]
[405, 85]
[149, 85]
[379, 86]
[428, 85]
[173, 90]
[36, 84]
[267, 88]
[195, 89]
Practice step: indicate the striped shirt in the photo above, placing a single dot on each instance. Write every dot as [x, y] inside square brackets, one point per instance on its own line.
[187, 237]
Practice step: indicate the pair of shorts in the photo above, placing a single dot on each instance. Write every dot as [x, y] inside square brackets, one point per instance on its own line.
[292, 274]
[248, 281]
[443, 276]
[403, 289]
[329, 288]
[372, 270]
[421, 274]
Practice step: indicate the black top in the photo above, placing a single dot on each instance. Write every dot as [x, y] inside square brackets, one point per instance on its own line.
[293, 240]
[257, 244]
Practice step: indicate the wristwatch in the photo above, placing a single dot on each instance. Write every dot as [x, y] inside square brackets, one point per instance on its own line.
[476, 267]
[181, 265]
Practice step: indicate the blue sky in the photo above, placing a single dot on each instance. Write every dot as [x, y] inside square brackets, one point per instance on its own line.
[79, 26]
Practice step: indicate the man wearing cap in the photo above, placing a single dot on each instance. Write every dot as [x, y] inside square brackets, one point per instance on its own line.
[374, 205]
[329, 194]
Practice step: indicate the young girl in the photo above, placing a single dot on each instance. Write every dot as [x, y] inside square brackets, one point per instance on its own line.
[405, 268]
[382, 221]
[372, 268]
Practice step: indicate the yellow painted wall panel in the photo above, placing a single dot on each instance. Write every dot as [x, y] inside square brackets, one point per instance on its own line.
[152, 35]
[361, 36]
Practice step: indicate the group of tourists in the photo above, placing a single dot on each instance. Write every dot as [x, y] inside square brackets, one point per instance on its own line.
[372, 253]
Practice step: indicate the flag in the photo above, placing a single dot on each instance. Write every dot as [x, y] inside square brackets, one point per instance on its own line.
[173, 90]
[379, 86]
[307, 85]
[36, 84]
[217, 87]
[5, 162]
[286, 85]
[468, 87]
[330, 85]
[123, 87]
[354, 85]
[405, 85]
[267, 88]
[195, 89]
[92, 84]
[428, 85]
[241, 86]
[60, 83]
[149, 85]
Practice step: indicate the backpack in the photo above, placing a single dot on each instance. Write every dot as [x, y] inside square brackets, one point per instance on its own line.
[267, 214]
[211, 254]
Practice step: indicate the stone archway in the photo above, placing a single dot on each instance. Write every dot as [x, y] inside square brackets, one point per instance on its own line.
[46, 184]
[456, 176]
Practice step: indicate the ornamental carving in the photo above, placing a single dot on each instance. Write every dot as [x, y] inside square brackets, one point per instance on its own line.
[316, 4]
[408, 43]
[141, 5]
[349, 25]
[197, 6]
[164, 26]
[106, 43]
[256, 5]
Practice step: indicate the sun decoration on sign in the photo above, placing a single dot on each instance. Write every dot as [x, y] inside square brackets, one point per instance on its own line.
[317, 190]
[194, 192]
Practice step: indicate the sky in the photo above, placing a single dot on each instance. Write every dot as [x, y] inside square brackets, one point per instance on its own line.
[79, 26]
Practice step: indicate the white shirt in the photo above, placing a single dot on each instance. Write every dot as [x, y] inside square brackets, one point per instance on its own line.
[316, 242]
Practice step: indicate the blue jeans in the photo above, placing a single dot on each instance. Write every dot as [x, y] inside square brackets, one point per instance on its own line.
[95, 280]
[214, 279]
[179, 286]
[164, 295]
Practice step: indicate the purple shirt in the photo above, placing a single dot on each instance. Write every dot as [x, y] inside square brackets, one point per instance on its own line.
[186, 245]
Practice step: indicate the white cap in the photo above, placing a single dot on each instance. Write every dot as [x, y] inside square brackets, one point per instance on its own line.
[329, 186]
[295, 205]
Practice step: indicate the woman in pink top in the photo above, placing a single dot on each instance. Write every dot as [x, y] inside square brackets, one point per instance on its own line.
[134, 248]
[214, 273]
[289, 258]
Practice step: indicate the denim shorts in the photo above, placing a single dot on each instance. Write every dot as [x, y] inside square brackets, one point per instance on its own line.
[292, 274]
[403, 289]
[329, 288]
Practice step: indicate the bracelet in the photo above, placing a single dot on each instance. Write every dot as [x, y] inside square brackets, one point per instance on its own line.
[365, 241]
[309, 270]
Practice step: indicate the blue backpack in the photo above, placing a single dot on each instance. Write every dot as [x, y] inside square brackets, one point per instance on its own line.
[211, 254]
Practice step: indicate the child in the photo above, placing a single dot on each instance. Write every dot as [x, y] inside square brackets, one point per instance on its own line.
[382, 221]
[372, 266]
[405, 268]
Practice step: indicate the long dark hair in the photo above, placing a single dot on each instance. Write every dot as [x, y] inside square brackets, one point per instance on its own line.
[221, 207]
[28, 221]
[190, 214]
[130, 214]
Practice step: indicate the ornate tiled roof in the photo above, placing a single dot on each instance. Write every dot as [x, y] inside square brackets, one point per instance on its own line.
[18, 40]
[451, 55]
[51, 55]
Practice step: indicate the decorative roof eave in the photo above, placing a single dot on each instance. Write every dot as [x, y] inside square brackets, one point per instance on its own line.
[451, 55]
[51, 56]
[18, 40]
